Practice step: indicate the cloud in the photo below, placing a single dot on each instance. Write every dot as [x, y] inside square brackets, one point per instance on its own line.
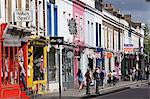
[139, 9]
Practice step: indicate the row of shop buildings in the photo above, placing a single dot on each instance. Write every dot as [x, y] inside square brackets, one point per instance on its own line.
[57, 37]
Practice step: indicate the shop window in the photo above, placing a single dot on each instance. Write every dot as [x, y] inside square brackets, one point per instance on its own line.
[38, 64]
[10, 65]
[52, 64]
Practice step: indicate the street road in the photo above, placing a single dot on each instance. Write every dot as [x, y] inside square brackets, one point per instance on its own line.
[133, 93]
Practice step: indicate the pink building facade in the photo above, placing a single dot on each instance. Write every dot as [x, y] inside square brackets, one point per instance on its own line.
[78, 15]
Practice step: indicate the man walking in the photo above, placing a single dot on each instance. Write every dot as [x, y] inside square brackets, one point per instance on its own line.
[97, 79]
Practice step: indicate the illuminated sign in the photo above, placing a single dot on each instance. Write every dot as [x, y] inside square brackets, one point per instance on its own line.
[56, 40]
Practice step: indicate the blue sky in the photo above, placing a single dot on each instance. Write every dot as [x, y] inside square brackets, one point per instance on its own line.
[139, 9]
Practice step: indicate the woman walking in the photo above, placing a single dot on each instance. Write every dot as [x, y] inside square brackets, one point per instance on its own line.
[109, 78]
[80, 79]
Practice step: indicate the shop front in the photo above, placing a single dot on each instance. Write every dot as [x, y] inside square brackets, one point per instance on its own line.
[68, 71]
[37, 64]
[54, 64]
[13, 61]
[128, 62]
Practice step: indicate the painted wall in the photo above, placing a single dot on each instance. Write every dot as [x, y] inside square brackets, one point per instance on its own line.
[78, 15]
[65, 12]
[98, 19]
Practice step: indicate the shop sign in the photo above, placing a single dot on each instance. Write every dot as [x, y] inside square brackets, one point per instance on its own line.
[72, 26]
[69, 54]
[38, 43]
[56, 40]
[12, 42]
[128, 47]
[98, 53]
[99, 56]
[23, 16]
[108, 54]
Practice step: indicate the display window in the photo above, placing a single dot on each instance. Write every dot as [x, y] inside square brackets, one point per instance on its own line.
[12, 65]
[38, 65]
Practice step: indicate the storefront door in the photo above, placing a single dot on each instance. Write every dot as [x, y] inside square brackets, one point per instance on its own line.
[67, 70]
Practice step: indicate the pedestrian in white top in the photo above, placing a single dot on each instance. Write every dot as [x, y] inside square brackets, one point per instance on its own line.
[114, 77]
[119, 74]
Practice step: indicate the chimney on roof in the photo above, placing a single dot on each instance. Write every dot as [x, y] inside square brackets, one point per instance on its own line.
[136, 25]
[108, 7]
[127, 17]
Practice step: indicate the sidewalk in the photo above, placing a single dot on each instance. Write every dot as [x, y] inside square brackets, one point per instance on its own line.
[74, 93]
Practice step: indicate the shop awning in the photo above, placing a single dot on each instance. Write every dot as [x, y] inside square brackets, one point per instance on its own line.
[16, 32]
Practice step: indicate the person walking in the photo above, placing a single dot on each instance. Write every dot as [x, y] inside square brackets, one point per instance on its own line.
[104, 81]
[80, 79]
[97, 79]
[109, 78]
[133, 74]
[102, 78]
[88, 81]
[136, 75]
[120, 75]
[114, 77]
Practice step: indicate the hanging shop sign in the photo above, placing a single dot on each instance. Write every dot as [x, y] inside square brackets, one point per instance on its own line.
[23, 16]
[99, 56]
[56, 40]
[38, 43]
[98, 53]
[72, 26]
[128, 47]
[11, 42]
